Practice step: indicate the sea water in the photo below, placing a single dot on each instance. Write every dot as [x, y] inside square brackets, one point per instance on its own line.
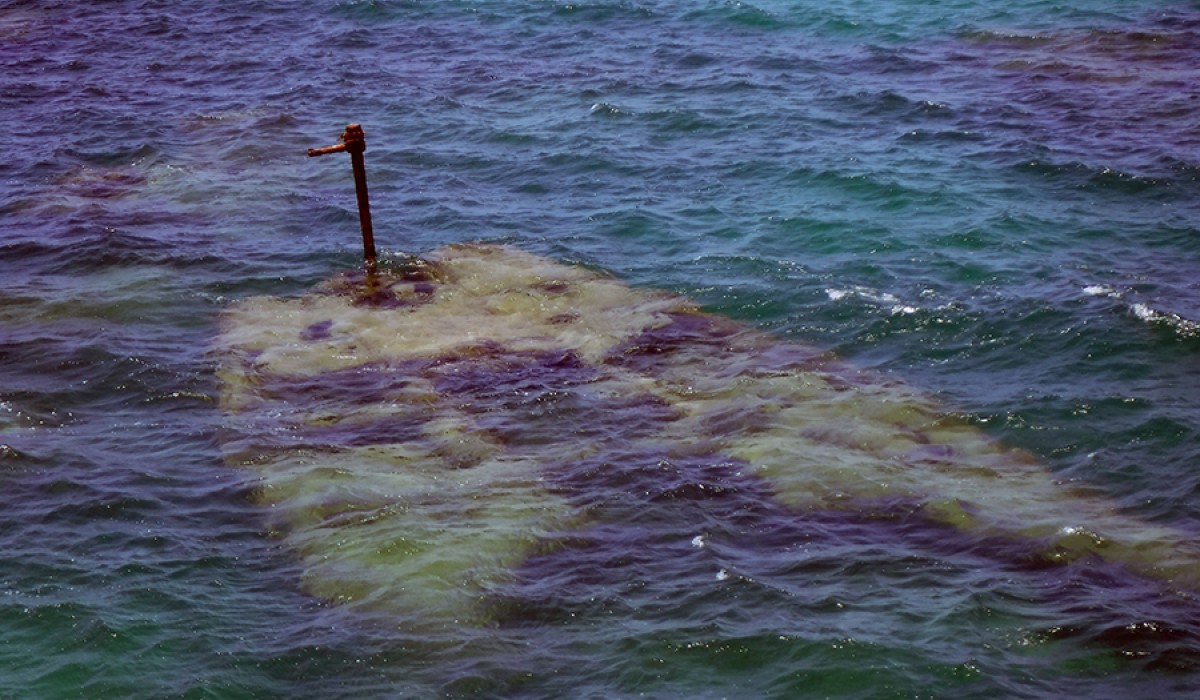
[993, 204]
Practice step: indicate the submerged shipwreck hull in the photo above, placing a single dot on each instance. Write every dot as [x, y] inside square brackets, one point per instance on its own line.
[418, 440]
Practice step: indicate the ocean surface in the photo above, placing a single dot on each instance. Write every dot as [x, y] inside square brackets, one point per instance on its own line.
[995, 204]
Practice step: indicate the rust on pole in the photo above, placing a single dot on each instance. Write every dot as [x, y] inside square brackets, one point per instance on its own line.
[354, 143]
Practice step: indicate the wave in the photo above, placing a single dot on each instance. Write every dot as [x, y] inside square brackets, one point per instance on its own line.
[1178, 179]
[1147, 311]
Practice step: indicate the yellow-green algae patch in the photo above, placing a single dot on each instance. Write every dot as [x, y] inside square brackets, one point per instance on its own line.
[407, 435]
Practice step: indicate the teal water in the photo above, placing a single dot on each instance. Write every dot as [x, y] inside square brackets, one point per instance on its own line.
[994, 203]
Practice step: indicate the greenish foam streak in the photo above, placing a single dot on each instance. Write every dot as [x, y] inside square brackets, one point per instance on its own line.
[407, 435]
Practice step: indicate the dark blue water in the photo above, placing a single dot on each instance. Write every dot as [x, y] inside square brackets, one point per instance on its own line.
[996, 203]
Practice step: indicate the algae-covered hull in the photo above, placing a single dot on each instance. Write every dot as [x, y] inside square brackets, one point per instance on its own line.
[419, 440]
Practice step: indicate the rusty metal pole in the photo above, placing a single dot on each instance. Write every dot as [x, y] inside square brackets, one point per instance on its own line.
[354, 143]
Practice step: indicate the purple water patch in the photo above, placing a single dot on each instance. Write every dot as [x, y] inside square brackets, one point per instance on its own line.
[1095, 96]
[350, 387]
[649, 516]
[625, 482]
[317, 331]
[532, 398]
[654, 347]
[399, 428]
[714, 542]
[489, 371]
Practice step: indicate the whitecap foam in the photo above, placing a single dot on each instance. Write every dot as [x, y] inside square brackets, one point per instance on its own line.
[1182, 326]
[864, 293]
[1100, 290]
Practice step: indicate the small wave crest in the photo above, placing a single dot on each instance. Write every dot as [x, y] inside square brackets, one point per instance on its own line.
[605, 109]
[1147, 312]
[1183, 327]
[872, 296]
